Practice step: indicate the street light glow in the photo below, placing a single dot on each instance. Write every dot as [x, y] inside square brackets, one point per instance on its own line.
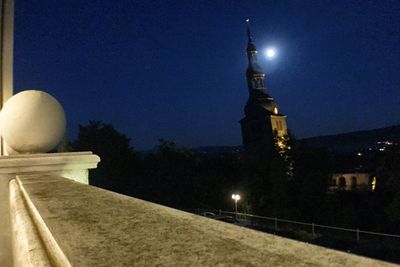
[236, 197]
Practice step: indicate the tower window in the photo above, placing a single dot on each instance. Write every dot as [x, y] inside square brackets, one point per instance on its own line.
[373, 183]
[254, 84]
[257, 83]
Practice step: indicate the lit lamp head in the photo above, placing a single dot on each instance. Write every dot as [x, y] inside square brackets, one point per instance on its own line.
[236, 197]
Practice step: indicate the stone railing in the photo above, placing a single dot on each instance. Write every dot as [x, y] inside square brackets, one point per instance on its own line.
[60, 222]
[23, 230]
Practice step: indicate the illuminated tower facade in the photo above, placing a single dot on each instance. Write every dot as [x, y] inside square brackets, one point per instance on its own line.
[263, 125]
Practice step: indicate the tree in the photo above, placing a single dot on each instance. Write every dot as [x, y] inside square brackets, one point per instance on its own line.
[166, 176]
[284, 147]
[388, 183]
[312, 174]
[117, 155]
[268, 178]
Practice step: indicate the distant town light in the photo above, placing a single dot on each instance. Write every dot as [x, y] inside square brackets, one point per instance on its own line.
[359, 154]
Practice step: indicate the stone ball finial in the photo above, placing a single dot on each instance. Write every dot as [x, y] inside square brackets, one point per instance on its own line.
[32, 121]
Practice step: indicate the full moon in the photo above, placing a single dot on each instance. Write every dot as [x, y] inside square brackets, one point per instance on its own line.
[270, 52]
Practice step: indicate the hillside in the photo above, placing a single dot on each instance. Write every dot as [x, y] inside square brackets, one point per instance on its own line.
[341, 143]
[356, 141]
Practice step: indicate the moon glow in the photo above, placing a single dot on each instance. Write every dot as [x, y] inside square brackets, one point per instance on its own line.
[270, 52]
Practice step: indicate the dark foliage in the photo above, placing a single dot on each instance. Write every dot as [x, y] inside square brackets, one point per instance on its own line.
[117, 156]
[180, 178]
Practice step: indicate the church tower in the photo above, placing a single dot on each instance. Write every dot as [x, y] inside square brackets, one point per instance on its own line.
[263, 125]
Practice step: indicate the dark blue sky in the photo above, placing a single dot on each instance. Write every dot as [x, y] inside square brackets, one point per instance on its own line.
[176, 69]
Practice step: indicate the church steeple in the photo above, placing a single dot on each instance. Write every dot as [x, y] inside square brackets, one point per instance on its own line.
[262, 121]
[255, 74]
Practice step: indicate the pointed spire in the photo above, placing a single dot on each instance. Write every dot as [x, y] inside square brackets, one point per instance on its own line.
[254, 73]
[250, 38]
[250, 45]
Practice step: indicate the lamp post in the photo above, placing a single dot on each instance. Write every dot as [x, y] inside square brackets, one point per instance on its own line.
[236, 198]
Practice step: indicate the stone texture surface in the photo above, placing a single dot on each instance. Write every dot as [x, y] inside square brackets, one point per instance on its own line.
[28, 248]
[95, 227]
[5, 222]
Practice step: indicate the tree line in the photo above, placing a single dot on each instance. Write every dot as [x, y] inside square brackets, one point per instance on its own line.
[180, 178]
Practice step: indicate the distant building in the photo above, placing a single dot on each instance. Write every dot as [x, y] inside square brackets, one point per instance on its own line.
[353, 181]
[263, 124]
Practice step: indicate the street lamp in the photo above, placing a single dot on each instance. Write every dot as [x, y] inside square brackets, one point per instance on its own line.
[236, 198]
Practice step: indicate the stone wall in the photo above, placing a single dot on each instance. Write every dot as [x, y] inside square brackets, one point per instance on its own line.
[81, 225]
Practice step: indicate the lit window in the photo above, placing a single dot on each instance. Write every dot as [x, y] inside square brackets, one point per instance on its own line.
[275, 110]
[373, 183]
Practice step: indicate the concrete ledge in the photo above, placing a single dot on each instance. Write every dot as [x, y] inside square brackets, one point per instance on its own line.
[73, 165]
[5, 222]
[28, 249]
[50, 246]
[95, 227]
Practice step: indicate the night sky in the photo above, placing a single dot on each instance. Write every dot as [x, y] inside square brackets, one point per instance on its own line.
[176, 69]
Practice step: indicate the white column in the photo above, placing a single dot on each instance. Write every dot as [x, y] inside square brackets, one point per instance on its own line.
[7, 44]
[6, 53]
[6, 91]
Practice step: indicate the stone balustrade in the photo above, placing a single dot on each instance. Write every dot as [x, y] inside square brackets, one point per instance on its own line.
[61, 222]
[21, 238]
